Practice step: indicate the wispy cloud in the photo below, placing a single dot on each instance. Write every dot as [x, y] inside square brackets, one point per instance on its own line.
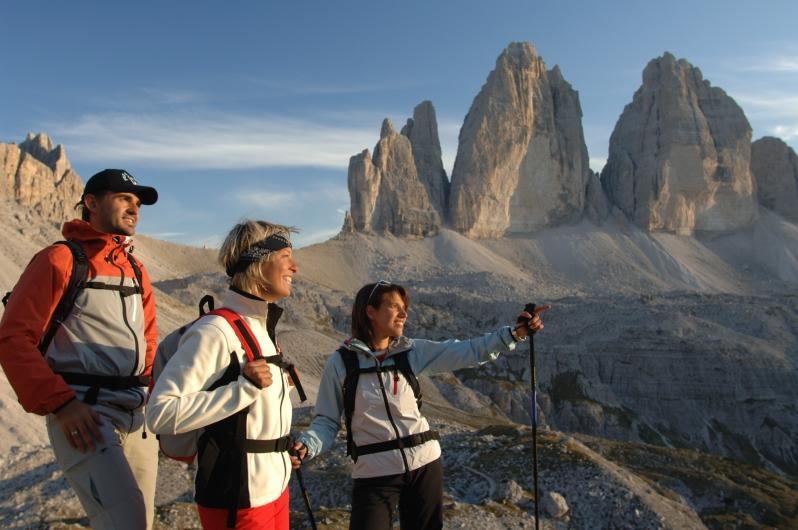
[212, 141]
[768, 104]
[786, 132]
[775, 64]
[171, 97]
[597, 164]
[305, 88]
[319, 236]
[328, 194]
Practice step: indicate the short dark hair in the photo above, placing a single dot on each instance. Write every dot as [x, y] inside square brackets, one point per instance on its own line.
[371, 295]
[85, 214]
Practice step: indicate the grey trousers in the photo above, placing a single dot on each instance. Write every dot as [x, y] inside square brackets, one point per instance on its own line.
[115, 483]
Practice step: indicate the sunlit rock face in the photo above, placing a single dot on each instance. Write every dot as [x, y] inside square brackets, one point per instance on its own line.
[38, 175]
[680, 155]
[521, 162]
[775, 168]
[393, 191]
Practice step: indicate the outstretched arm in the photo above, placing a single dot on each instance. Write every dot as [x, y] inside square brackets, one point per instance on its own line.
[433, 357]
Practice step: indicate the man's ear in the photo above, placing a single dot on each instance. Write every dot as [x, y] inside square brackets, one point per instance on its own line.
[90, 202]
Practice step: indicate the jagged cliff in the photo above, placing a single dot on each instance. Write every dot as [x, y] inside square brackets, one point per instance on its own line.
[679, 158]
[775, 168]
[394, 191]
[37, 175]
[521, 162]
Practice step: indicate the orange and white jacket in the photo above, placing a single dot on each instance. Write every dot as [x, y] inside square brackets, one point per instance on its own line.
[105, 334]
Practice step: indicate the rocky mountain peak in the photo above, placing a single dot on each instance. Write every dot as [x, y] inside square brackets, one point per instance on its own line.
[387, 128]
[679, 157]
[521, 163]
[775, 168]
[37, 175]
[399, 189]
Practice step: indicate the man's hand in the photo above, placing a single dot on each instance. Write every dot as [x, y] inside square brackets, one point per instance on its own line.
[258, 372]
[297, 454]
[79, 423]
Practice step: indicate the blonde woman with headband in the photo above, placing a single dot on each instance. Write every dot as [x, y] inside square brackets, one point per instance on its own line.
[242, 404]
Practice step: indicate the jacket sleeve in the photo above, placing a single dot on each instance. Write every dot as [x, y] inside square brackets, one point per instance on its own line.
[432, 357]
[329, 408]
[150, 324]
[180, 400]
[25, 321]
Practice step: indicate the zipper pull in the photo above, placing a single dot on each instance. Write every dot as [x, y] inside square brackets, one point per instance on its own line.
[395, 383]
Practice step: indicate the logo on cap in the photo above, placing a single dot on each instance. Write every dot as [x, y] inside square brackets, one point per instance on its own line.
[127, 177]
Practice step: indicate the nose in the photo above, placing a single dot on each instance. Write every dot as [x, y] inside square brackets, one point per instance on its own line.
[294, 267]
[403, 312]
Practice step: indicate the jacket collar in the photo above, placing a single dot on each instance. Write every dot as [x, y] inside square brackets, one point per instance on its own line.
[397, 345]
[92, 239]
[249, 305]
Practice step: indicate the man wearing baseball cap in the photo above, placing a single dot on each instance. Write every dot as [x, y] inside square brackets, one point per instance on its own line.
[77, 341]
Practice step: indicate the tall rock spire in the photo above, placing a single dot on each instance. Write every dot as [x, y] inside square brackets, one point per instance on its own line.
[679, 157]
[775, 168]
[522, 163]
[402, 188]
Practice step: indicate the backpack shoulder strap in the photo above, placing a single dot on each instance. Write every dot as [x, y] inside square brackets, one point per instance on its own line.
[349, 392]
[403, 364]
[242, 331]
[137, 271]
[76, 282]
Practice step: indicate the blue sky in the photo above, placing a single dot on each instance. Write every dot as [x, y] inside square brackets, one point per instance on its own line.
[252, 109]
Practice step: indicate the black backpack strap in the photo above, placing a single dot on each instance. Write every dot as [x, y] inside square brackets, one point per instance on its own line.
[350, 392]
[403, 364]
[206, 304]
[137, 271]
[77, 281]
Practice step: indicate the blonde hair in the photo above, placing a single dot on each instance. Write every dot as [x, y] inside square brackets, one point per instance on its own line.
[241, 237]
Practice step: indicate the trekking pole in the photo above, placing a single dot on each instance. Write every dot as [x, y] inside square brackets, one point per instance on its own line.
[530, 308]
[304, 490]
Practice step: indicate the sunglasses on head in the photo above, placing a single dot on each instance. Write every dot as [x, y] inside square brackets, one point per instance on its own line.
[381, 283]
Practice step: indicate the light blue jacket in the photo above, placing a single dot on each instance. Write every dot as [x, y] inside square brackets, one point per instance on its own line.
[370, 419]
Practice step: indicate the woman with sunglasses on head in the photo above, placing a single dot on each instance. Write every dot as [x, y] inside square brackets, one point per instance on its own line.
[371, 381]
[228, 378]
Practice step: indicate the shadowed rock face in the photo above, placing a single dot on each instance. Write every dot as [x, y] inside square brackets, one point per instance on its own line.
[679, 158]
[422, 130]
[37, 175]
[521, 163]
[387, 192]
[775, 168]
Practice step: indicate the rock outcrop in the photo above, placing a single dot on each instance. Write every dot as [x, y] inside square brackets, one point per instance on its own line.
[394, 191]
[522, 163]
[37, 175]
[775, 168]
[679, 157]
[422, 130]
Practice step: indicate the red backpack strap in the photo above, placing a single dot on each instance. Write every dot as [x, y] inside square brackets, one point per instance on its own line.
[242, 330]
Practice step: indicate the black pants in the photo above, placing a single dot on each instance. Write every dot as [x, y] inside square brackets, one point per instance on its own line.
[418, 493]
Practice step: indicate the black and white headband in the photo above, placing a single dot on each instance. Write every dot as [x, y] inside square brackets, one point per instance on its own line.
[257, 251]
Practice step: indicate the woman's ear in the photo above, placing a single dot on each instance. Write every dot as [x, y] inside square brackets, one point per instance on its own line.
[370, 312]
